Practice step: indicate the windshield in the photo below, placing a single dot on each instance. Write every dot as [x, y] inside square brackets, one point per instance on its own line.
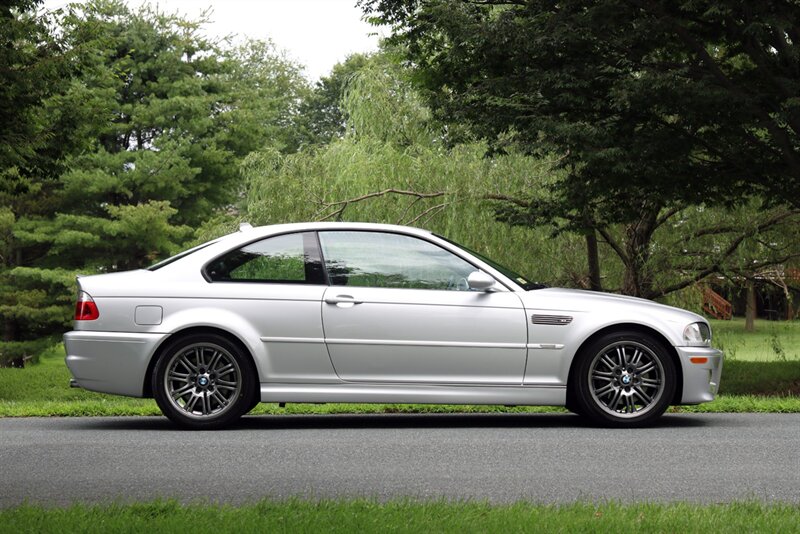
[516, 277]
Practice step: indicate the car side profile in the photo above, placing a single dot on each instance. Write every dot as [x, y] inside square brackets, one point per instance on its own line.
[369, 313]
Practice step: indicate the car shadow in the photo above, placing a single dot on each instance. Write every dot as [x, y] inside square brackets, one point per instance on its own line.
[389, 421]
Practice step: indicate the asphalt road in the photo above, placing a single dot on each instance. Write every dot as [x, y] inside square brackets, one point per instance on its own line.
[499, 458]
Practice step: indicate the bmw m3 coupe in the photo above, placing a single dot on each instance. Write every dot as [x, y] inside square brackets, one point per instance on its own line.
[368, 313]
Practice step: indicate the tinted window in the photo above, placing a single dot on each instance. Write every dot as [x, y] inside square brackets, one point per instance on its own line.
[275, 259]
[375, 259]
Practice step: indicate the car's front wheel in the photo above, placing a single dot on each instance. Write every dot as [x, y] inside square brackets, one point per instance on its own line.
[203, 381]
[624, 379]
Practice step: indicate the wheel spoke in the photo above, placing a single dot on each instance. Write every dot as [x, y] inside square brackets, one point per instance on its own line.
[178, 393]
[600, 375]
[605, 390]
[219, 398]
[630, 407]
[606, 359]
[637, 357]
[189, 407]
[214, 359]
[623, 358]
[226, 370]
[185, 361]
[646, 368]
[206, 406]
[175, 375]
[615, 400]
[642, 395]
[651, 382]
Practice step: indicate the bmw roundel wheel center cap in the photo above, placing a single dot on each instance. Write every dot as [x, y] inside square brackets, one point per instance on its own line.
[203, 381]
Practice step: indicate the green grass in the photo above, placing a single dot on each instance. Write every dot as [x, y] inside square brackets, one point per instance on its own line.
[753, 380]
[771, 340]
[403, 516]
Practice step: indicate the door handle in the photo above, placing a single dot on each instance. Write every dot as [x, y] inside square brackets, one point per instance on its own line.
[342, 299]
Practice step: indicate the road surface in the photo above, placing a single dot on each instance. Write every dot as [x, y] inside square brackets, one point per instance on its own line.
[499, 458]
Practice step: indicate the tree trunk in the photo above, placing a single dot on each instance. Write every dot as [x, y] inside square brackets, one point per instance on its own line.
[593, 259]
[10, 334]
[750, 307]
[637, 251]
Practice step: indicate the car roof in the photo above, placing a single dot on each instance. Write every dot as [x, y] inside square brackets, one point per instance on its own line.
[247, 234]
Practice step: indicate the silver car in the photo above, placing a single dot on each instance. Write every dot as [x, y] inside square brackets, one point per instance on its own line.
[351, 312]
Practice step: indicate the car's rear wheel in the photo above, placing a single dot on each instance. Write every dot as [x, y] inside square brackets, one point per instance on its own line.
[203, 381]
[624, 379]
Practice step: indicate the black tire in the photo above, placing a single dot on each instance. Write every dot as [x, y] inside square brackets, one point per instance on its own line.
[623, 379]
[255, 400]
[204, 381]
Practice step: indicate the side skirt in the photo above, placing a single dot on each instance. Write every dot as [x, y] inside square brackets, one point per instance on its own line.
[414, 394]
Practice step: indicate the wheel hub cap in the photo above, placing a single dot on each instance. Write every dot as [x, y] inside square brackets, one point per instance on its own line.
[626, 379]
[203, 380]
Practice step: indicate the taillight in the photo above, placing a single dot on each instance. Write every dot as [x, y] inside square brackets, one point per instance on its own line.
[85, 308]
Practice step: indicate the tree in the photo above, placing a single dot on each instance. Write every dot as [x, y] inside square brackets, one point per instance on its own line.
[653, 105]
[391, 165]
[321, 111]
[148, 129]
[32, 68]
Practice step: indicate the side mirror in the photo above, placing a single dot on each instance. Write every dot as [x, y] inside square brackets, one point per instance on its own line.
[480, 281]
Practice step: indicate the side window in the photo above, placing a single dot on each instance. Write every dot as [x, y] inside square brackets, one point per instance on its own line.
[275, 259]
[375, 259]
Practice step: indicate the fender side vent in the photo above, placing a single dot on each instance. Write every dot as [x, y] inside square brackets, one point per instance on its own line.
[553, 320]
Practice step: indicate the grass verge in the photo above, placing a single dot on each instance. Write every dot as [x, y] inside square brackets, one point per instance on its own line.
[42, 390]
[770, 341]
[402, 516]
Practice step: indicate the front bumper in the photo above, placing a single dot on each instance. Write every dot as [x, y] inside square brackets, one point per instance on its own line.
[110, 362]
[700, 380]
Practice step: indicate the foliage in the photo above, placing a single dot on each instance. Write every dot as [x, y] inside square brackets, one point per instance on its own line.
[673, 249]
[654, 107]
[391, 167]
[321, 111]
[152, 120]
[32, 65]
[648, 101]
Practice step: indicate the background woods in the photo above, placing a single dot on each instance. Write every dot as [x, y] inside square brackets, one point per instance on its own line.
[648, 148]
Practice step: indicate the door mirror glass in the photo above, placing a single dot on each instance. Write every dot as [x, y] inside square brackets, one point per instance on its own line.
[480, 281]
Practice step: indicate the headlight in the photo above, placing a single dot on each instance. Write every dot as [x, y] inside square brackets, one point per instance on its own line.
[697, 334]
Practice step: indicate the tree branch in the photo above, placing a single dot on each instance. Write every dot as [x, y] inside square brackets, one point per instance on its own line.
[664, 217]
[342, 204]
[716, 266]
[433, 210]
[603, 231]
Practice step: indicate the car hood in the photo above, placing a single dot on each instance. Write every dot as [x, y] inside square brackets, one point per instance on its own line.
[615, 307]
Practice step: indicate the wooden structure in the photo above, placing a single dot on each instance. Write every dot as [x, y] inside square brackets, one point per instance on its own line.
[715, 304]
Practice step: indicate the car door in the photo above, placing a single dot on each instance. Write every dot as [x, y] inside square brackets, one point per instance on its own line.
[274, 286]
[399, 309]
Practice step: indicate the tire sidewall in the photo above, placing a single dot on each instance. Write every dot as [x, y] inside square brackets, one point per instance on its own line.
[240, 405]
[580, 388]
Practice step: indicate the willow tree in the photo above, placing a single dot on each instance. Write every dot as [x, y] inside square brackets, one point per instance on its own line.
[394, 164]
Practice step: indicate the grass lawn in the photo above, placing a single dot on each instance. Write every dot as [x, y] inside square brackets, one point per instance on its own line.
[748, 385]
[771, 340]
[403, 516]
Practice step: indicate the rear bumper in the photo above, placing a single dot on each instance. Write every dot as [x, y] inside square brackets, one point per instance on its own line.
[110, 362]
[700, 380]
